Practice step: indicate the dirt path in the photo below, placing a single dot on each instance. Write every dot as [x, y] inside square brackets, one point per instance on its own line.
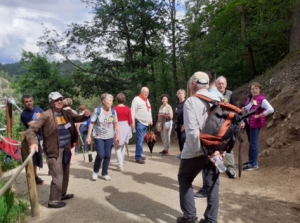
[149, 193]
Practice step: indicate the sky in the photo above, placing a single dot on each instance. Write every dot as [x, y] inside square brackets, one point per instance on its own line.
[21, 23]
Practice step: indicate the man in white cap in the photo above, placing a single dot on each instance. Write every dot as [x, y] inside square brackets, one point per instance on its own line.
[59, 134]
[193, 156]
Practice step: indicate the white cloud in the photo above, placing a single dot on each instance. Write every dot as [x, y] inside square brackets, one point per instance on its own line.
[21, 23]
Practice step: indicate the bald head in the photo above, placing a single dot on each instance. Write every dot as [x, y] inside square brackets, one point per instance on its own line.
[221, 84]
[145, 92]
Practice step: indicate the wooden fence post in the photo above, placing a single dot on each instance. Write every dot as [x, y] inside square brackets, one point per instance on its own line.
[32, 191]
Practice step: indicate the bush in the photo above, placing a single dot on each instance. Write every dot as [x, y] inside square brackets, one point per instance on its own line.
[7, 166]
[11, 209]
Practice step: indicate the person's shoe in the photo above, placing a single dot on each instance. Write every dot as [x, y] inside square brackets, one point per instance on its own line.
[246, 163]
[106, 177]
[120, 168]
[67, 197]
[38, 180]
[230, 173]
[186, 220]
[178, 157]
[140, 161]
[58, 205]
[250, 167]
[203, 221]
[164, 152]
[95, 176]
[200, 195]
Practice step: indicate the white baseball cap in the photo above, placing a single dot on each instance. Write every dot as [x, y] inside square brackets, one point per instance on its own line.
[54, 95]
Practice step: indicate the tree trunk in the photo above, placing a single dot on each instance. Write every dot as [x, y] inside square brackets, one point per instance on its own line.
[173, 28]
[249, 51]
[295, 34]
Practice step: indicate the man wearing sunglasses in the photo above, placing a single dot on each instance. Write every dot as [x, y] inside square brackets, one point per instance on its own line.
[59, 134]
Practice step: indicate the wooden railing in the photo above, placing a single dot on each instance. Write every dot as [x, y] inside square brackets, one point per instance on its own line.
[30, 176]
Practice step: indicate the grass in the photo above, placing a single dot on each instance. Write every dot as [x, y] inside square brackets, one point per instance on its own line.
[11, 209]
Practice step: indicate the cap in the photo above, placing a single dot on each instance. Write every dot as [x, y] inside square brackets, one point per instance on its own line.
[200, 78]
[54, 95]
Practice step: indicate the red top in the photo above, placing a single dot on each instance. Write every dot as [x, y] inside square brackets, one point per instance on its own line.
[124, 114]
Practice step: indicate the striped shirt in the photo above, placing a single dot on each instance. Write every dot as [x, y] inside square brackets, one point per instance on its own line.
[64, 133]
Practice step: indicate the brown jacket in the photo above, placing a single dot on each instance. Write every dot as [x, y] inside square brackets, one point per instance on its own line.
[47, 122]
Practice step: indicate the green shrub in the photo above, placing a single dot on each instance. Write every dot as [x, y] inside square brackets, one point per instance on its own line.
[7, 166]
[11, 209]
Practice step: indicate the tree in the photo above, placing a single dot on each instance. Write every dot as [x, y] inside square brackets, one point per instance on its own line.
[41, 78]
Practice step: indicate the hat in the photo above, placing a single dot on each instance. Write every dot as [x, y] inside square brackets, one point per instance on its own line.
[200, 78]
[54, 95]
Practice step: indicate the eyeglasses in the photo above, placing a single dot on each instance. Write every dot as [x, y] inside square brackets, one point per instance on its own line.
[59, 99]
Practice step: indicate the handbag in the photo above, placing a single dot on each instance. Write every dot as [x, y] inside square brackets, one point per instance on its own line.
[167, 125]
[159, 126]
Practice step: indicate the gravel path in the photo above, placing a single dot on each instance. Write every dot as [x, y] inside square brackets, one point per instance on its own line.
[149, 193]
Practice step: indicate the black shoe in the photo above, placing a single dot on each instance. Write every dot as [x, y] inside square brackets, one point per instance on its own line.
[200, 195]
[67, 196]
[38, 180]
[250, 167]
[203, 221]
[140, 161]
[246, 164]
[186, 220]
[164, 152]
[58, 205]
[230, 173]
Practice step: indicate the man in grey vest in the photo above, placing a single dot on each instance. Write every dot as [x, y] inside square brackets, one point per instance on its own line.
[228, 97]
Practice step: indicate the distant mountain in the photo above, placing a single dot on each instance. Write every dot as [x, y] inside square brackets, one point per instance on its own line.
[17, 69]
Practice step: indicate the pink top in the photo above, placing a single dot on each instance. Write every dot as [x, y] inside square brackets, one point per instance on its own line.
[124, 114]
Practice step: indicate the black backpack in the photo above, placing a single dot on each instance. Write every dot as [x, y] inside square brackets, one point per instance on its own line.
[222, 125]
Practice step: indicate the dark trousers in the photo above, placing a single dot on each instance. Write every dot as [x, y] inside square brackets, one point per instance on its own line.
[60, 178]
[180, 137]
[103, 148]
[83, 133]
[188, 170]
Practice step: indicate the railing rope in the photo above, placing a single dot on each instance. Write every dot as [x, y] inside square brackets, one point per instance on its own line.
[16, 174]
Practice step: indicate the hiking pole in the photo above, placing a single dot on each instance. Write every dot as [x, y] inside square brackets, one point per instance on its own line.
[241, 140]
[81, 141]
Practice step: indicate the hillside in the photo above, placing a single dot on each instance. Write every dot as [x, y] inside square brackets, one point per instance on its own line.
[281, 87]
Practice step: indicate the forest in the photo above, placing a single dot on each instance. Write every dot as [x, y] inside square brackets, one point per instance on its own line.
[159, 44]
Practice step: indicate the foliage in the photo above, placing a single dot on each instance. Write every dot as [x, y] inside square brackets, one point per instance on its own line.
[10, 208]
[7, 166]
[41, 78]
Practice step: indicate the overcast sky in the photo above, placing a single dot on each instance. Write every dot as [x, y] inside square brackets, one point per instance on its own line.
[21, 23]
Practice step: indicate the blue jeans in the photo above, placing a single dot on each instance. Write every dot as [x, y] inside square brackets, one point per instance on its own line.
[253, 145]
[103, 148]
[141, 130]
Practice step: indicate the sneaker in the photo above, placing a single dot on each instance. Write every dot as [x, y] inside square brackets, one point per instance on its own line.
[120, 168]
[230, 173]
[140, 161]
[58, 205]
[178, 157]
[250, 167]
[106, 177]
[246, 164]
[200, 195]
[38, 180]
[164, 152]
[187, 220]
[94, 176]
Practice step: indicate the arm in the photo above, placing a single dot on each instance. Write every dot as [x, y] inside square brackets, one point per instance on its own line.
[130, 122]
[133, 108]
[32, 130]
[232, 100]
[117, 129]
[268, 109]
[88, 137]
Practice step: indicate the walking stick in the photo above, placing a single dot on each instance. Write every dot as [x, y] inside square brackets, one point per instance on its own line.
[128, 155]
[241, 140]
[81, 141]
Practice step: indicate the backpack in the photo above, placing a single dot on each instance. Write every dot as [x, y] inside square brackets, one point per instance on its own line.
[221, 127]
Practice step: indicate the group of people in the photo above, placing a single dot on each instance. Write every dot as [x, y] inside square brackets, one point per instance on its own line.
[112, 127]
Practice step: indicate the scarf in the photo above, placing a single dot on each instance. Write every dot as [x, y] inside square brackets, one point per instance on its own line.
[145, 100]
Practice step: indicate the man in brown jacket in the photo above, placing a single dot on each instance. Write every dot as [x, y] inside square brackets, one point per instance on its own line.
[59, 135]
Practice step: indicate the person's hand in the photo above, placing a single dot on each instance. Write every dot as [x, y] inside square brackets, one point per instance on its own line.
[117, 140]
[242, 125]
[34, 147]
[182, 128]
[214, 155]
[88, 140]
[133, 125]
[150, 123]
[87, 113]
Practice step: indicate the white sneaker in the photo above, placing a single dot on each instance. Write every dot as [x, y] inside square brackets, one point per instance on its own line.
[120, 168]
[106, 177]
[94, 176]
